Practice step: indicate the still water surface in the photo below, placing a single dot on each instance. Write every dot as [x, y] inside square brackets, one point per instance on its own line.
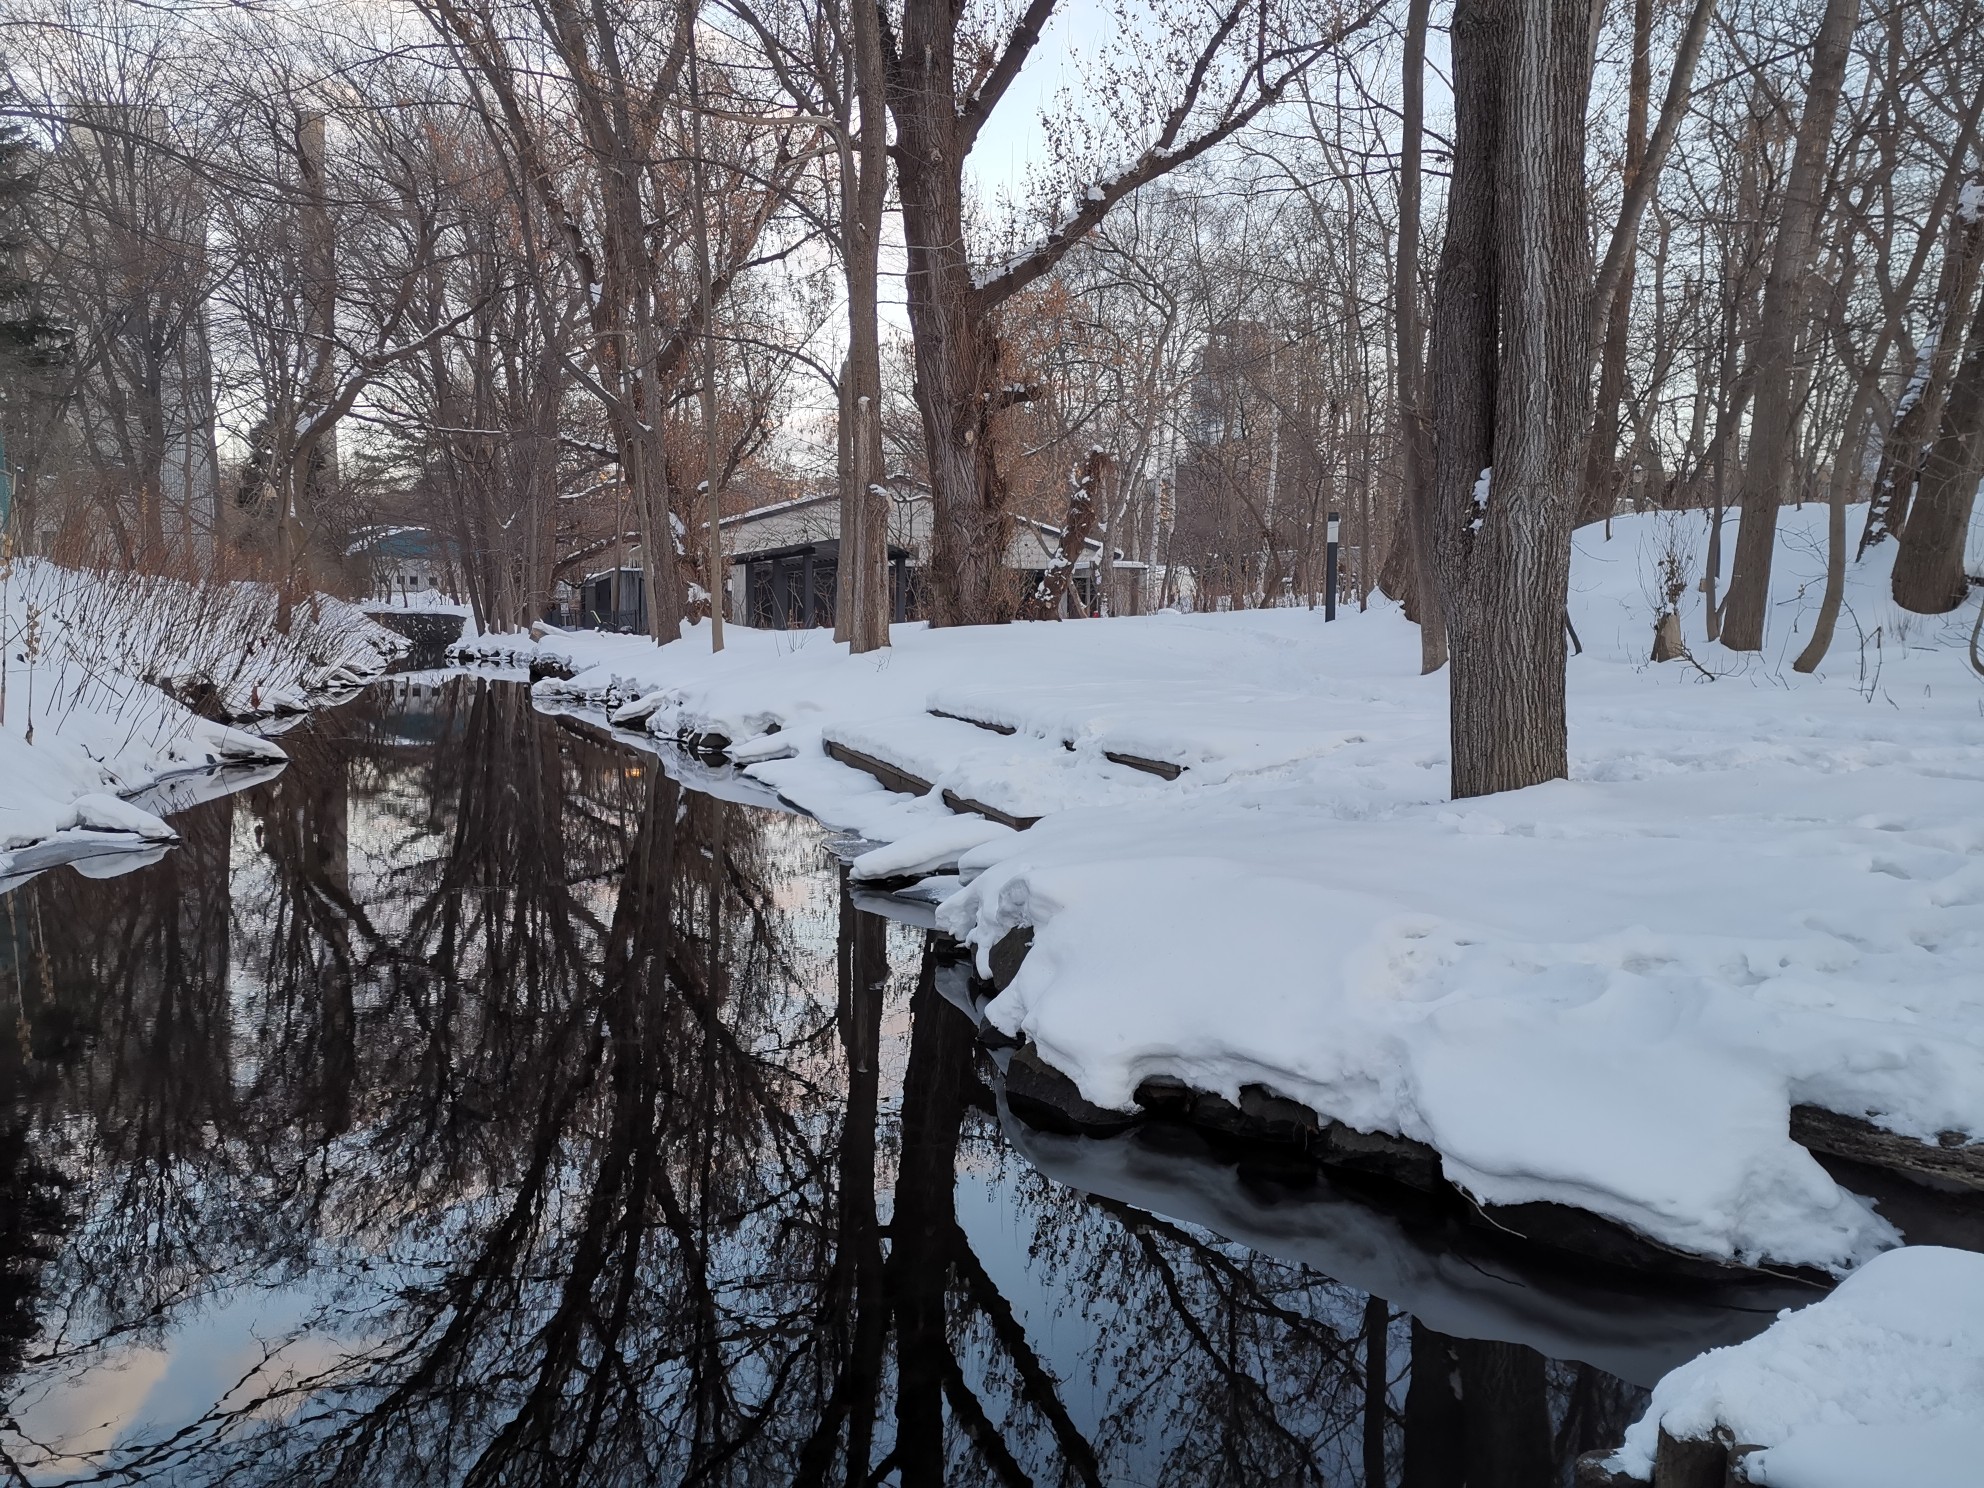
[474, 1102]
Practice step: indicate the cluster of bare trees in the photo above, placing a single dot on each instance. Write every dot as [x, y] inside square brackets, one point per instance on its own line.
[485, 274]
[1707, 256]
[552, 277]
[553, 268]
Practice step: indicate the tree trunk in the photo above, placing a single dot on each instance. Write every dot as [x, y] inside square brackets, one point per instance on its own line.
[1845, 469]
[1920, 407]
[713, 575]
[1772, 420]
[1928, 571]
[320, 287]
[1420, 569]
[1055, 585]
[1377, 1404]
[1506, 1410]
[956, 352]
[1847, 465]
[1511, 392]
[864, 564]
[1601, 455]
[1435, 1427]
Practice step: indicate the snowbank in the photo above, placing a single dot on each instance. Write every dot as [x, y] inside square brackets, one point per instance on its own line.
[1881, 1382]
[1757, 890]
[95, 677]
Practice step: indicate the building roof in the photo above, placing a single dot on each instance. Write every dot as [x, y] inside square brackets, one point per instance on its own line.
[825, 548]
[777, 508]
[401, 542]
[1091, 547]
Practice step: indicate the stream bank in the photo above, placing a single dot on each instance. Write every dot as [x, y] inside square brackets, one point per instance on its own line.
[469, 1021]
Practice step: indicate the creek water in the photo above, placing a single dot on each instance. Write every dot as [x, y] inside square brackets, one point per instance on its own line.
[480, 1101]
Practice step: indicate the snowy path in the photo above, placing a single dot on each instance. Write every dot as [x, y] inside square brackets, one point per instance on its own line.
[1755, 892]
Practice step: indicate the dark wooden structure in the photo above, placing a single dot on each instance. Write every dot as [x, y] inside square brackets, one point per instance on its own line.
[794, 587]
[605, 605]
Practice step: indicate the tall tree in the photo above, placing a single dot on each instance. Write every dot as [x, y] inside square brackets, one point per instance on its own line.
[1766, 459]
[1601, 468]
[1227, 67]
[1415, 448]
[1511, 394]
[1928, 571]
[864, 187]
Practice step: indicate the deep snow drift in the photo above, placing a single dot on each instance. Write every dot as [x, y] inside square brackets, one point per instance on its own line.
[1881, 1382]
[1757, 889]
[91, 676]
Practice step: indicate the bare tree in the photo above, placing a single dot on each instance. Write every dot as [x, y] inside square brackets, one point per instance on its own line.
[1221, 72]
[1772, 423]
[1511, 398]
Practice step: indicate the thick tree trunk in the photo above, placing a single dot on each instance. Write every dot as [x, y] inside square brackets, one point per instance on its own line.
[1767, 458]
[1506, 1408]
[1511, 394]
[1928, 571]
[1435, 1453]
[956, 351]
[1920, 408]
[320, 287]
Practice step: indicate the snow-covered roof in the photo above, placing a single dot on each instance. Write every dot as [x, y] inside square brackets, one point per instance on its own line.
[776, 508]
[399, 542]
[1091, 546]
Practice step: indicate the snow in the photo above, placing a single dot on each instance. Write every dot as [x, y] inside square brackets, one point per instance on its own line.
[1482, 484]
[1880, 1382]
[1756, 890]
[86, 721]
[1970, 201]
[934, 849]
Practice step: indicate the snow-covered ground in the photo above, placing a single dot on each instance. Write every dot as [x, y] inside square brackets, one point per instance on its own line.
[1881, 1382]
[92, 676]
[1757, 890]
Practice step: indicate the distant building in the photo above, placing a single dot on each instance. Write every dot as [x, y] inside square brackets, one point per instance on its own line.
[771, 550]
[407, 561]
[783, 563]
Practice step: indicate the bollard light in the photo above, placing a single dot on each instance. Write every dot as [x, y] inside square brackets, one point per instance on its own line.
[1329, 567]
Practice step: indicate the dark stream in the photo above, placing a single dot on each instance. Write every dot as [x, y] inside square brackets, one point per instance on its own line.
[475, 1103]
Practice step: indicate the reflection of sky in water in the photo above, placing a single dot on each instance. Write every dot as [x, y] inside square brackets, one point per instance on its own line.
[248, 1345]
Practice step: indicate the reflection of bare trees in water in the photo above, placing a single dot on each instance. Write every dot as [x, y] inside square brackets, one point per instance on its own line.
[530, 1074]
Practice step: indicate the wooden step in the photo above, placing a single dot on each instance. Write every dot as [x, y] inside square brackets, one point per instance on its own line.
[896, 779]
[1163, 769]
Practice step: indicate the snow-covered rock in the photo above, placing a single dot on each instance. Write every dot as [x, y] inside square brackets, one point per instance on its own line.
[935, 849]
[1880, 1382]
